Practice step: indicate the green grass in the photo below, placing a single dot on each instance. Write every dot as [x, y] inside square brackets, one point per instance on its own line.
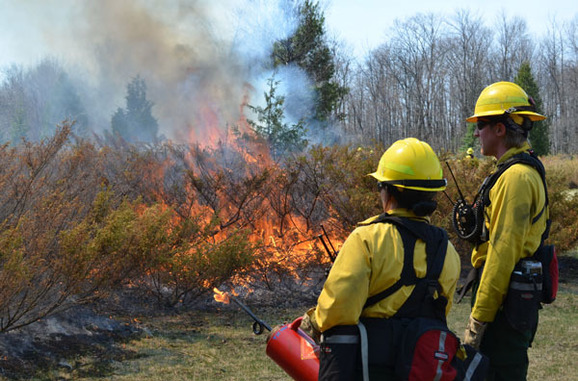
[220, 345]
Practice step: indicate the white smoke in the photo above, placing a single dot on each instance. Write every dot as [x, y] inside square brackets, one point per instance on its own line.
[201, 59]
[198, 58]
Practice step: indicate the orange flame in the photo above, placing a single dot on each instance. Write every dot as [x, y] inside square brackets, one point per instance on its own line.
[221, 297]
[282, 238]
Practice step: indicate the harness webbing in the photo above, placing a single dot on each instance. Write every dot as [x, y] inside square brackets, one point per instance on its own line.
[436, 240]
[528, 158]
[523, 158]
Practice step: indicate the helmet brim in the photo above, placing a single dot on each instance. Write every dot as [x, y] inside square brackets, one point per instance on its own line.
[400, 183]
[533, 116]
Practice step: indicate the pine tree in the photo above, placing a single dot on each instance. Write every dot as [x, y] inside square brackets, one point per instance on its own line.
[539, 133]
[308, 49]
[136, 123]
[270, 124]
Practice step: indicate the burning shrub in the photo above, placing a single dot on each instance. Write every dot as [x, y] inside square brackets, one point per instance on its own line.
[77, 220]
[150, 245]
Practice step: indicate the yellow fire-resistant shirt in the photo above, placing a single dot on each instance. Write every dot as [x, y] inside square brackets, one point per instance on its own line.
[516, 199]
[370, 261]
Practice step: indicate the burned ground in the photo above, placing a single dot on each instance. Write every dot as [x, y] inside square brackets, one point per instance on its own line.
[47, 344]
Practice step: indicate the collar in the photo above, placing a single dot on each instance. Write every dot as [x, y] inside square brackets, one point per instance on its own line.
[399, 212]
[514, 151]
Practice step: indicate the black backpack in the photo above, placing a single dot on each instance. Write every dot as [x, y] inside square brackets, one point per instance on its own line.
[427, 348]
[426, 299]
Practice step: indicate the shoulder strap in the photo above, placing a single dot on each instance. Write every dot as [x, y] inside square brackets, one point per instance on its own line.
[436, 243]
[523, 158]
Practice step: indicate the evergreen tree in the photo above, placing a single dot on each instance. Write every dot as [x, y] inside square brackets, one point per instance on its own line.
[136, 123]
[539, 133]
[469, 138]
[270, 124]
[119, 124]
[308, 49]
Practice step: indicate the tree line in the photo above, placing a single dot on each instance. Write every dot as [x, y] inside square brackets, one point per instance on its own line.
[425, 79]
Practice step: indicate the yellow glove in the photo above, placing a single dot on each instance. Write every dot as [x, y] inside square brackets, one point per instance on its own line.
[474, 332]
[309, 327]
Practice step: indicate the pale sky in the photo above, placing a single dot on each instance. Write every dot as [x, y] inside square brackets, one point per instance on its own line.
[364, 23]
[31, 29]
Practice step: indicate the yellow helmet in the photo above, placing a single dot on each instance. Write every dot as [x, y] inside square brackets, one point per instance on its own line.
[411, 164]
[505, 98]
[470, 151]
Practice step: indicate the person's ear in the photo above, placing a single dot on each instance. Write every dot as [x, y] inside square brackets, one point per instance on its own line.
[383, 194]
[500, 129]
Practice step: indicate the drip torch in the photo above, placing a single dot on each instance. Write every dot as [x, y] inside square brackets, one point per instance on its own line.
[287, 345]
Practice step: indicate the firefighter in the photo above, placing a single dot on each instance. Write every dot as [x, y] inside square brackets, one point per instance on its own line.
[371, 260]
[470, 161]
[515, 218]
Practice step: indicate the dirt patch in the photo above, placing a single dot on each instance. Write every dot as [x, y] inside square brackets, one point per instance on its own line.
[47, 344]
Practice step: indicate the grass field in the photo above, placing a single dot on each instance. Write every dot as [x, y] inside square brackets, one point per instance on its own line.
[220, 345]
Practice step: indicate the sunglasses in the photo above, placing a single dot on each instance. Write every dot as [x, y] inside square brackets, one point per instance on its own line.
[481, 123]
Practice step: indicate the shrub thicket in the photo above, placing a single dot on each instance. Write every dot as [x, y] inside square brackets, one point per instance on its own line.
[78, 219]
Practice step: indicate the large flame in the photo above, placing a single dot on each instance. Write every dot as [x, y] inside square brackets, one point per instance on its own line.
[233, 184]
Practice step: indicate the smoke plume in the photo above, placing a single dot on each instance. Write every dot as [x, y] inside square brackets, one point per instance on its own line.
[201, 59]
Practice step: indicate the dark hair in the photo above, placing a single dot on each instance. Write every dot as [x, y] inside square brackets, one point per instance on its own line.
[420, 202]
[516, 134]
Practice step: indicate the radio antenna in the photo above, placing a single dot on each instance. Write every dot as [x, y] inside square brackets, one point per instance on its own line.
[455, 181]
[449, 198]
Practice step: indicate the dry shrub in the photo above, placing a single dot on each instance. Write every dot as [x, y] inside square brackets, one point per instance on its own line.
[562, 175]
[77, 220]
[336, 179]
[46, 188]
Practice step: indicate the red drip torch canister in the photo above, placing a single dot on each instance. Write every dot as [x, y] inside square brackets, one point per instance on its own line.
[294, 351]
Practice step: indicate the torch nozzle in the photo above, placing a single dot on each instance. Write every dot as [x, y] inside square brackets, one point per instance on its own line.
[225, 297]
[253, 316]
